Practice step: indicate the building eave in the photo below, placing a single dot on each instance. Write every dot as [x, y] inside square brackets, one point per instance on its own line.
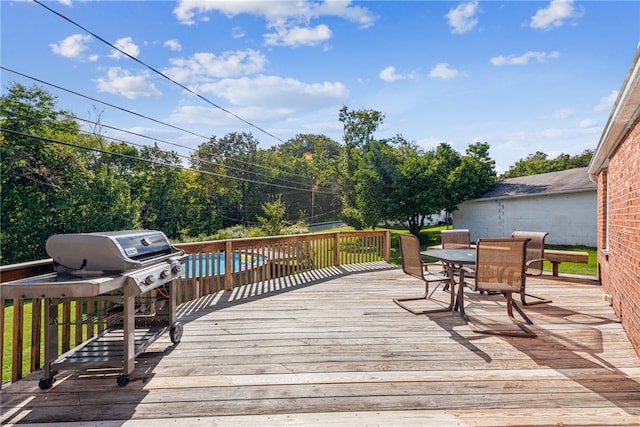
[624, 113]
[522, 196]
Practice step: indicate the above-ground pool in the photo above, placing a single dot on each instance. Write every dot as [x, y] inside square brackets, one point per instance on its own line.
[213, 264]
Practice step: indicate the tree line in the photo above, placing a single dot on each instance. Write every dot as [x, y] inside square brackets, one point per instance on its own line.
[59, 178]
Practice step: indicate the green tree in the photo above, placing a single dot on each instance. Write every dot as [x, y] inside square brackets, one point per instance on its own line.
[539, 162]
[420, 190]
[359, 126]
[41, 179]
[473, 176]
[231, 164]
[160, 183]
[273, 221]
[310, 161]
[401, 183]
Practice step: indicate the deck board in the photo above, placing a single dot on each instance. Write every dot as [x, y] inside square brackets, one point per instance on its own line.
[335, 350]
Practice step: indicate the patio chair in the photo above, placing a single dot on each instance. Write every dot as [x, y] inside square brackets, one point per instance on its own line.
[413, 265]
[535, 258]
[500, 267]
[455, 239]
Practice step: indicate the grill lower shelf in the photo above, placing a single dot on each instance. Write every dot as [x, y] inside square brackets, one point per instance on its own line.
[107, 349]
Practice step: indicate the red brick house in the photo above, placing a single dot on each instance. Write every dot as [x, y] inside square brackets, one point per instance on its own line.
[615, 167]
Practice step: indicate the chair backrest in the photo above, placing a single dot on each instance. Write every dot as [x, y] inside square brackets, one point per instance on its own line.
[455, 239]
[535, 249]
[410, 253]
[500, 264]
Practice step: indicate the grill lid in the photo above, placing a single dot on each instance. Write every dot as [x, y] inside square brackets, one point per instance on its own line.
[113, 251]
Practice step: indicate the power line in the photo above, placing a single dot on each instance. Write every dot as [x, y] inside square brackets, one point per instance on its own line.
[164, 164]
[257, 174]
[161, 74]
[102, 102]
[138, 115]
[177, 154]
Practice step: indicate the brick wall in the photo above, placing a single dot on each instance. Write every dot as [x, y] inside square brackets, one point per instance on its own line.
[619, 267]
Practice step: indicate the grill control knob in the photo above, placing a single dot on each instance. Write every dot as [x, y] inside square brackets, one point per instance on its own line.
[150, 279]
[176, 269]
[164, 273]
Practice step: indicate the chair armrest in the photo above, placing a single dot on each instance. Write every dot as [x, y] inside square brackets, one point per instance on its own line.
[528, 263]
[468, 270]
[531, 261]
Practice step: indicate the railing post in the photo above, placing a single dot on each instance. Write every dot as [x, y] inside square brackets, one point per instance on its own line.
[336, 249]
[18, 331]
[2, 302]
[228, 265]
[387, 246]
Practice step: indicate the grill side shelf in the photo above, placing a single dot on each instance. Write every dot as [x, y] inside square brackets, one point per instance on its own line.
[56, 286]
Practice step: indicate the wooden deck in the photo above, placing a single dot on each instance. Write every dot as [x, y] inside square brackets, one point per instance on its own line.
[333, 349]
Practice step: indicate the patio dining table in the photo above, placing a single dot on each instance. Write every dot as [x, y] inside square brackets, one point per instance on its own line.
[451, 258]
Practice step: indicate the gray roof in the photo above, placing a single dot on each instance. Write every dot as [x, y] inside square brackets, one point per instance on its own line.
[566, 181]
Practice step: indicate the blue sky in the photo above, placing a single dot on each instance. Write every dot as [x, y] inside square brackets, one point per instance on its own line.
[522, 76]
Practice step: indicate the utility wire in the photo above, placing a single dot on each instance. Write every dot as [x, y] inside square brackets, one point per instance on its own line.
[98, 150]
[136, 114]
[103, 102]
[189, 158]
[205, 161]
[160, 73]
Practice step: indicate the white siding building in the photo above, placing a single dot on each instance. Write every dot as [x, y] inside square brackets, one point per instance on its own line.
[562, 203]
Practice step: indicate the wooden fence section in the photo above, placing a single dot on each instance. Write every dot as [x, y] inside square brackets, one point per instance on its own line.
[207, 270]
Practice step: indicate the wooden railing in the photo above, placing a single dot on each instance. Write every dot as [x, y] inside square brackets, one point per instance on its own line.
[207, 270]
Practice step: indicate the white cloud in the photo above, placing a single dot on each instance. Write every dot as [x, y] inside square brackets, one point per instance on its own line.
[463, 19]
[268, 92]
[199, 115]
[264, 99]
[298, 36]
[237, 33]
[289, 21]
[585, 128]
[276, 12]
[126, 45]
[553, 16]
[121, 82]
[563, 113]
[524, 58]
[173, 44]
[606, 103]
[389, 74]
[587, 124]
[443, 71]
[202, 67]
[72, 47]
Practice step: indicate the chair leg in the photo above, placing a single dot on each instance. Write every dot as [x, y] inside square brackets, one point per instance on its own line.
[426, 296]
[526, 332]
[540, 300]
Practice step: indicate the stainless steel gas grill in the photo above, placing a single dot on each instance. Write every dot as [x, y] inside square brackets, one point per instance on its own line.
[131, 275]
